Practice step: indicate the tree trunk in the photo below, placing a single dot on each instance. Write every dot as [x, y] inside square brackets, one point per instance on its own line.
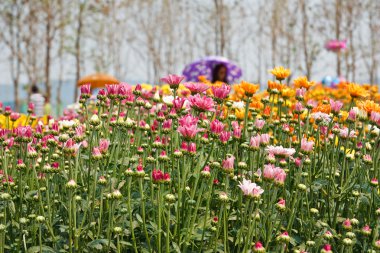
[77, 49]
[338, 10]
[48, 51]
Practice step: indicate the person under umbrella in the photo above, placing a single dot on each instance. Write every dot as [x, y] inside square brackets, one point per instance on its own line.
[219, 73]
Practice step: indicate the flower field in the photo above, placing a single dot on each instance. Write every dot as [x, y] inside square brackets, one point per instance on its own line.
[196, 167]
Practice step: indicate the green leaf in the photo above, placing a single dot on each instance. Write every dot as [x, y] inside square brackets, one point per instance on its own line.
[11, 206]
[99, 243]
[176, 247]
[45, 249]
[138, 217]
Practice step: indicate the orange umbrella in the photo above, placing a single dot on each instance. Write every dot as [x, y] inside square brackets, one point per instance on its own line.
[98, 80]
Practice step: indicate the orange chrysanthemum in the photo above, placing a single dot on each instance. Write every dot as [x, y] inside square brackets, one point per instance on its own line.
[302, 82]
[280, 73]
[356, 91]
[369, 106]
[256, 104]
[275, 86]
[203, 79]
[249, 88]
[325, 108]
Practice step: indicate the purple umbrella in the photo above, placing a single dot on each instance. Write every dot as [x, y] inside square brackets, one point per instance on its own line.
[204, 67]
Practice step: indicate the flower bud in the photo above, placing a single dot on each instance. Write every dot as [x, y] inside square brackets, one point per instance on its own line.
[223, 197]
[314, 211]
[258, 248]
[5, 196]
[117, 230]
[170, 198]
[71, 184]
[102, 180]
[350, 235]
[376, 244]
[283, 237]
[40, 219]
[374, 182]
[347, 241]
[302, 187]
[242, 165]
[94, 120]
[116, 194]
[328, 235]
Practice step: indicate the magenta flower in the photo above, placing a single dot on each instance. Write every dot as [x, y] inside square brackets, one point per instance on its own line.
[188, 120]
[259, 124]
[280, 151]
[124, 90]
[228, 164]
[112, 90]
[103, 145]
[14, 116]
[196, 87]
[254, 142]
[281, 203]
[201, 103]
[85, 90]
[173, 80]
[300, 92]
[159, 177]
[237, 132]
[298, 107]
[352, 115]
[30, 107]
[167, 124]
[188, 127]
[280, 176]
[375, 117]
[312, 103]
[192, 148]
[250, 189]
[221, 92]
[307, 146]
[264, 139]
[188, 132]
[96, 154]
[216, 127]
[79, 130]
[336, 105]
[224, 136]
[271, 172]
[178, 103]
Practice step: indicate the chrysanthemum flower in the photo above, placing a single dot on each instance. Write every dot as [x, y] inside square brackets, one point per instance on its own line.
[249, 88]
[280, 73]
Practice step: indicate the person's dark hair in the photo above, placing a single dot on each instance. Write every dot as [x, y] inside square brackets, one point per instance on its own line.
[215, 72]
[34, 89]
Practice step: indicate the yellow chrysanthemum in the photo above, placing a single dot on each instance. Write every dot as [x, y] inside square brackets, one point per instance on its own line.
[280, 73]
[239, 113]
[369, 106]
[302, 82]
[287, 93]
[249, 88]
[146, 86]
[356, 91]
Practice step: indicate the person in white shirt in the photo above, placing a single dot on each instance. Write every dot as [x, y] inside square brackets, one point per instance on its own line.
[38, 100]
